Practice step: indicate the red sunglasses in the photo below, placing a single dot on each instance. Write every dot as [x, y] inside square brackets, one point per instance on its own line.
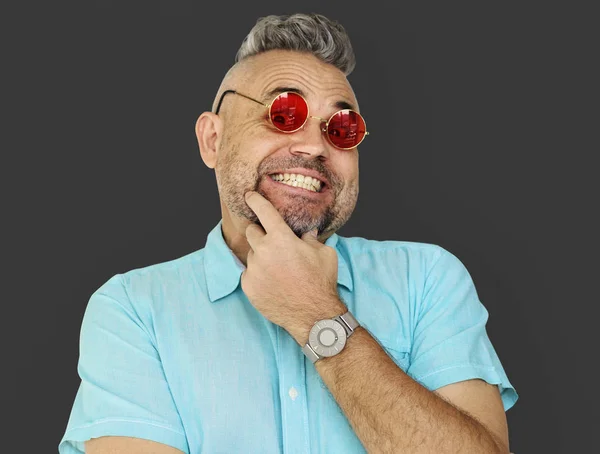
[288, 112]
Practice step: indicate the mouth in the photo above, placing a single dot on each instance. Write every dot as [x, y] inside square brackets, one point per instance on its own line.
[312, 188]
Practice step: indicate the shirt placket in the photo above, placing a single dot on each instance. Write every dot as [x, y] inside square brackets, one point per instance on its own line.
[293, 395]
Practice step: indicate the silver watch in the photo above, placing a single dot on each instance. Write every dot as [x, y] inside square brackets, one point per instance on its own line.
[328, 337]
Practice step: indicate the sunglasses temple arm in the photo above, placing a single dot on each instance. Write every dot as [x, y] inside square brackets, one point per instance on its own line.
[236, 93]
[252, 99]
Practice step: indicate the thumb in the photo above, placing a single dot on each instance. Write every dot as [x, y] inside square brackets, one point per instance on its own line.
[311, 235]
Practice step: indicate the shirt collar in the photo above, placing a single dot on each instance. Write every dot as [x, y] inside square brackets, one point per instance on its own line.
[223, 270]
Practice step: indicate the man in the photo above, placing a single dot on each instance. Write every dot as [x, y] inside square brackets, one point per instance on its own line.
[280, 335]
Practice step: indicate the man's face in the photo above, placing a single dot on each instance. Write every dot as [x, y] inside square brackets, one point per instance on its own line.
[252, 150]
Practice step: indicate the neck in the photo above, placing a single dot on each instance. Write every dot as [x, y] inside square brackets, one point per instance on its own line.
[234, 234]
[235, 238]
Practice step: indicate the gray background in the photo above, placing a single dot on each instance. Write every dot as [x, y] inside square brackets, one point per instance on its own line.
[481, 119]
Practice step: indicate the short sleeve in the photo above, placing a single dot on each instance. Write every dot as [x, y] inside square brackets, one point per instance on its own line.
[450, 342]
[123, 389]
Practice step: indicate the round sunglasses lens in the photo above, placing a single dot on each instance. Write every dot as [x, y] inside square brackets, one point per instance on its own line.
[288, 112]
[346, 129]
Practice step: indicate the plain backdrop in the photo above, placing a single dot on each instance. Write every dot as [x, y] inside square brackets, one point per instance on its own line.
[482, 121]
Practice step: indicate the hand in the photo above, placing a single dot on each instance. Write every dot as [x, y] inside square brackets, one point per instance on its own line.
[291, 281]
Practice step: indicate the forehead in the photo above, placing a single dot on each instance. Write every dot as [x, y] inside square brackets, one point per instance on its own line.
[318, 81]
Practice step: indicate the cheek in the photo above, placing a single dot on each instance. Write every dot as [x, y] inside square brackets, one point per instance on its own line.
[348, 172]
[238, 165]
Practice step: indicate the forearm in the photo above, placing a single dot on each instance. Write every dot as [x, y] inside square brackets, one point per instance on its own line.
[390, 412]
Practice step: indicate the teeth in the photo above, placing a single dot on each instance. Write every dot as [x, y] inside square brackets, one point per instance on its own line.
[298, 180]
[307, 184]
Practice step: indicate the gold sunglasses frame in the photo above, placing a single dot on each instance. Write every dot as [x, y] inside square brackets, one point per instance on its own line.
[308, 115]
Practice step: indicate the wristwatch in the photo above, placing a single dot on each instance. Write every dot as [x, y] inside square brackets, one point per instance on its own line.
[328, 337]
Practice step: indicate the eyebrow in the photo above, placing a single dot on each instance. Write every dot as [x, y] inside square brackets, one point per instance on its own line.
[278, 90]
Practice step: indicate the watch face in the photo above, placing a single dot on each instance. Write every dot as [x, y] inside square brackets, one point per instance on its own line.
[327, 338]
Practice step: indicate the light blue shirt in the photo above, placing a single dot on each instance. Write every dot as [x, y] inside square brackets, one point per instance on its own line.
[175, 352]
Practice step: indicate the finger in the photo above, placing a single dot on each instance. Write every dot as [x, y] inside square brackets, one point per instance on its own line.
[267, 214]
[311, 235]
[254, 235]
[249, 258]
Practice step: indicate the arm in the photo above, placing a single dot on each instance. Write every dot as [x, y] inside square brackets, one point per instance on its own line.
[390, 412]
[127, 445]
[124, 389]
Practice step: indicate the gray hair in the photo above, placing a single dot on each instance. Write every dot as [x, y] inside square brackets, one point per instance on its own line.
[314, 33]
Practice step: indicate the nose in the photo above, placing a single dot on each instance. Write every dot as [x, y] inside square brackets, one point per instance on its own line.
[310, 139]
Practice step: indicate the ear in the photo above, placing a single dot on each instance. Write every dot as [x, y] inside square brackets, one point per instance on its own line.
[208, 133]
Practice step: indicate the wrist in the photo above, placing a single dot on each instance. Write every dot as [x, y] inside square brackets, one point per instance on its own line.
[301, 331]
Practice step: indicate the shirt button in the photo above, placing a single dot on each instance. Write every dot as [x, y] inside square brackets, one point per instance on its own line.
[293, 393]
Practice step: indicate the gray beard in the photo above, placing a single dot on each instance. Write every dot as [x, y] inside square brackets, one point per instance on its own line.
[232, 191]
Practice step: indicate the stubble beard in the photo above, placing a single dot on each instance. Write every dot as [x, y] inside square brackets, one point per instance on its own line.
[235, 177]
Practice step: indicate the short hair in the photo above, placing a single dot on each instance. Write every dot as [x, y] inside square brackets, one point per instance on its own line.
[313, 33]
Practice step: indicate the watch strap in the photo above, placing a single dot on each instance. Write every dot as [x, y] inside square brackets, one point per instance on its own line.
[310, 353]
[348, 322]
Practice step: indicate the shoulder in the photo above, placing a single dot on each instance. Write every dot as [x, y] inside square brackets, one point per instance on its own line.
[164, 273]
[145, 290]
[390, 251]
